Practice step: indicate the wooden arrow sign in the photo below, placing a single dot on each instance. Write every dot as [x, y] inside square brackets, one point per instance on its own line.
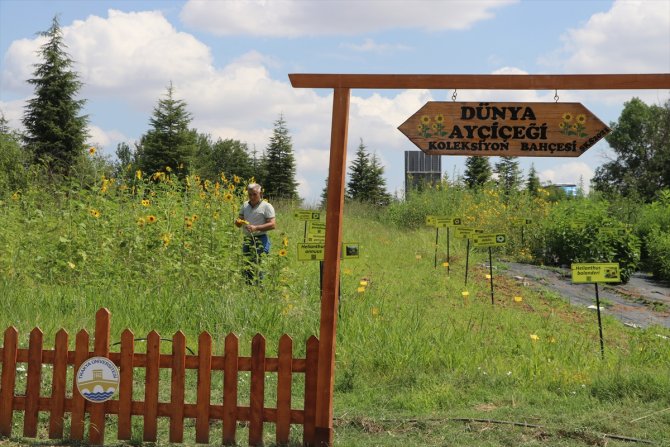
[504, 129]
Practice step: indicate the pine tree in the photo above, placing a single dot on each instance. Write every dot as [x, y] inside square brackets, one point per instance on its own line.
[55, 130]
[169, 143]
[509, 174]
[477, 171]
[279, 176]
[324, 196]
[358, 174]
[377, 193]
[533, 182]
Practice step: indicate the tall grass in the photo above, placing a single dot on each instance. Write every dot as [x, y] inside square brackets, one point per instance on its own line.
[408, 344]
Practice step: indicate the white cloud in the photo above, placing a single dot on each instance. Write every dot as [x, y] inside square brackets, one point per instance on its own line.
[13, 112]
[632, 37]
[292, 18]
[569, 172]
[370, 46]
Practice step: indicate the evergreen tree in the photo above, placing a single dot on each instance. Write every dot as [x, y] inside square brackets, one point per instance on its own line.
[533, 181]
[358, 174]
[377, 193]
[55, 130]
[509, 174]
[279, 166]
[12, 160]
[127, 161]
[477, 171]
[324, 196]
[169, 143]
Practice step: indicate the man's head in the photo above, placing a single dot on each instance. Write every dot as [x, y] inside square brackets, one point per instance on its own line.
[254, 193]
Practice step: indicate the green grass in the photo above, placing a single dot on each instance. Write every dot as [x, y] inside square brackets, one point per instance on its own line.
[414, 359]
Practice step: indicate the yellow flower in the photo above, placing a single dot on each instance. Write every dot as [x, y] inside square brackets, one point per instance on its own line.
[151, 218]
[439, 118]
[363, 283]
[561, 125]
[202, 195]
[146, 202]
[194, 217]
[188, 223]
[284, 241]
[16, 196]
[425, 119]
[419, 127]
[95, 213]
[236, 179]
[91, 150]
[282, 252]
[231, 187]
[567, 116]
[166, 238]
[581, 118]
[360, 289]
[518, 299]
[534, 337]
[228, 197]
[168, 169]
[138, 174]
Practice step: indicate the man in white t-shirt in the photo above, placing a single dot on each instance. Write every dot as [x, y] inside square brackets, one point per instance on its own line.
[256, 218]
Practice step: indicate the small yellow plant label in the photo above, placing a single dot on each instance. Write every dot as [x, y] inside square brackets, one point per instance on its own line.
[351, 250]
[583, 273]
[315, 238]
[316, 228]
[97, 379]
[465, 232]
[489, 240]
[521, 221]
[307, 215]
[311, 251]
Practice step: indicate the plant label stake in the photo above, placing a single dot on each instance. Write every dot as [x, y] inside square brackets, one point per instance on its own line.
[437, 237]
[490, 240]
[594, 273]
[491, 273]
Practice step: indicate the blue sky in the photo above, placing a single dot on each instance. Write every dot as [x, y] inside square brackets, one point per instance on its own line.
[230, 60]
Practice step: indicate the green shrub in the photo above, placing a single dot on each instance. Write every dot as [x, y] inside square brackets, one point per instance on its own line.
[658, 249]
[582, 231]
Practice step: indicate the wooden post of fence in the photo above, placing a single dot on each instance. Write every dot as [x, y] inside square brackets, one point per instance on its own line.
[126, 384]
[78, 402]
[257, 397]
[96, 430]
[8, 380]
[178, 381]
[230, 389]
[58, 386]
[284, 379]
[151, 387]
[33, 383]
[204, 385]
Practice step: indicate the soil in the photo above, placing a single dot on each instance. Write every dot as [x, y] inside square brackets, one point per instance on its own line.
[642, 302]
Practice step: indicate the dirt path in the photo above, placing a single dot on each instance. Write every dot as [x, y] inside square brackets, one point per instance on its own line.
[642, 302]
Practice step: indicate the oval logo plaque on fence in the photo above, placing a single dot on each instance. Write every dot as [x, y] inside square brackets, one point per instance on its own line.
[504, 129]
[97, 379]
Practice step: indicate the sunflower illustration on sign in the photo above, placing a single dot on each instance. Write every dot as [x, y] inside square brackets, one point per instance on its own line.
[571, 125]
[432, 127]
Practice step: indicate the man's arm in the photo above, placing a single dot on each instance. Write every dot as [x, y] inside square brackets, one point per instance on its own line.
[269, 224]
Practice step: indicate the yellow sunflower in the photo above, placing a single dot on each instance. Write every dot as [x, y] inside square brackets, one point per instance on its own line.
[282, 252]
[91, 150]
[425, 119]
[138, 174]
[95, 213]
[151, 219]
[567, 116]
[439, 118]
[581, 118]
[145, 202]
[228, 197]
[236, 179]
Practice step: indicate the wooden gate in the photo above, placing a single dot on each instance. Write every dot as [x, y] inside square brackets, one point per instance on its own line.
[62, 401]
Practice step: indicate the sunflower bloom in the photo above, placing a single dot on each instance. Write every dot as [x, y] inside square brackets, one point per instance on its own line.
[145, 202]
[91, 150]
[228, 197]
[138, 174]
[282, 252]
[236, 179]
[425, 119]
[567, 116]
[151, 219]
[231, 187]
[581, 118]
[166, 238]
[439, 118]
[95, 213]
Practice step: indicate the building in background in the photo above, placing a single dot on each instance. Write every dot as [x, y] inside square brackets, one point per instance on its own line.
[421, 170]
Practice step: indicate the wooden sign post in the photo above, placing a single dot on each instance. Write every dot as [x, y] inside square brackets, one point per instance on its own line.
[341, 84]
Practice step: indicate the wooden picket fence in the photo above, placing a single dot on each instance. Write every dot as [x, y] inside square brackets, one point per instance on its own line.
[203, 411]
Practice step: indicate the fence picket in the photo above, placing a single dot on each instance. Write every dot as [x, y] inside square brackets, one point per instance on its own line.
[151, 387]
[78, 402]
[96, 429]
[177, 387]
[230, 389]
[204, 386]
[33, 383]
[126, 385]
[284, 375]
[8, 380]
[58, 386]
[311, 365]
[257, 398]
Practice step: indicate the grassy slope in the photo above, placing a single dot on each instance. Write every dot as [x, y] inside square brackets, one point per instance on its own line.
[411, 355]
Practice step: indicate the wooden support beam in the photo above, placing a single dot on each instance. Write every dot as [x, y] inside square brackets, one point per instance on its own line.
[484, 81]
[331, 268]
